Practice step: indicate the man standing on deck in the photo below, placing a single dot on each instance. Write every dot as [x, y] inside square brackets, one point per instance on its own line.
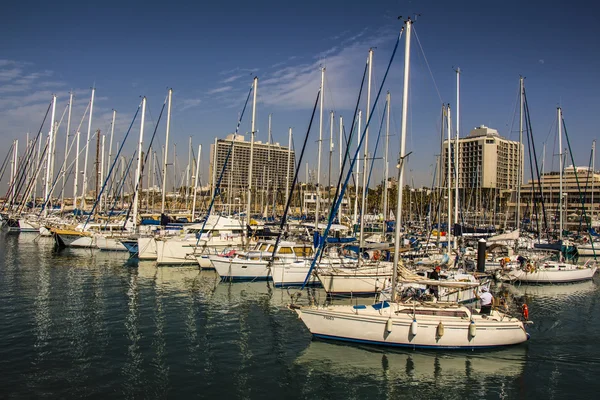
[435, 275]
[486, 299]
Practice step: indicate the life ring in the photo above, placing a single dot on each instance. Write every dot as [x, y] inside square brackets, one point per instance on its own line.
[525, 311]
[376, 255]
[502, 262]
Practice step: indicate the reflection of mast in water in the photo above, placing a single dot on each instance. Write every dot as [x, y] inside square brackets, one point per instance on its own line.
[133, 365]
[445, 370]
[75, 325]
[158, 343]
[41, 313]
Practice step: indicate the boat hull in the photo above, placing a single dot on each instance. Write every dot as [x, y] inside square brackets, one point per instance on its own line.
[359, 281]
[368, 326]
[109, 244]
[73, 239]
[146, 249]
[548, 276]
[235, 269]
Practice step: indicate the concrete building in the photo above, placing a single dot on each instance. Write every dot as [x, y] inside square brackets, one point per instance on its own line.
[270, 162]
[485, 160]
[587, 191]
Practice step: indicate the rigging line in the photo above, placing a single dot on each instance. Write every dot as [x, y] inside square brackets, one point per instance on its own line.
[5, 163]
[27, 161]
[514, 114]
[376, 146]
[428, 67]
[289, 200]
[114, 163]
[339, 198]
[578, 187]
[349, 141]
[217, 188]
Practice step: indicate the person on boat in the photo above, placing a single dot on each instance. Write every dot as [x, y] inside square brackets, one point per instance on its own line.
[435, 275]
[486, 299]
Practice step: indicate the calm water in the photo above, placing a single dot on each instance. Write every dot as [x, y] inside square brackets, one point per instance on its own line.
[77, 324]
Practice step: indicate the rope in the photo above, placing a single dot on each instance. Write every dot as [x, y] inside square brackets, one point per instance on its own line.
[340, 197]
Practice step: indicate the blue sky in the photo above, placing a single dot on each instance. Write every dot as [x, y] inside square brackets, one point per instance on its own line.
[209, 52]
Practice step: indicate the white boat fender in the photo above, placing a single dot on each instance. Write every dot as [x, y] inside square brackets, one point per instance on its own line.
[413, 327]
[388, 325]
[472, 329]
[440, 330]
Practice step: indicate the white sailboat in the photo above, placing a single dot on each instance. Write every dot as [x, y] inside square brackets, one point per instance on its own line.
[412, 324]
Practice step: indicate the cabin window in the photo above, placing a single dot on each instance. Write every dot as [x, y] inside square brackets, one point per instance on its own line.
[304, 251]
[436, 313]
[263, 247]
[285, 250]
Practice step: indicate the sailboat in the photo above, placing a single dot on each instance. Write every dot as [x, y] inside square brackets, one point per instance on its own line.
[412, 324]
[547, 271]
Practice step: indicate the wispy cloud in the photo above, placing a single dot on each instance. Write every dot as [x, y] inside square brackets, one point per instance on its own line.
[186, 104]
[541, 61]
[236, 70]
[327, 52]
[295, 86]
[231, 79]
[220, 89]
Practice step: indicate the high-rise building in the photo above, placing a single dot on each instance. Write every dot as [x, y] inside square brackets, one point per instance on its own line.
[485, 160]
[270, 164]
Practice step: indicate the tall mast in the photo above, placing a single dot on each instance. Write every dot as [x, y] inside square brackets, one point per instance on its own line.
[87, 148]
[363, 207]
[340, 163]
[164, 169]
[356, 173]
[13, 170]
[64, 167]
[214, 170]
[187, 173]
[289, 163]
[318, 185]
[449, 183]
[47, 184]
[593, 173]
[560, 174]
[402, 155]
[456, 150]
[330, 157]
[386, 164]
[249, 195]
[102, 168]
[110, 142]
[76, 174]
[520, 161]
[138, 171]
[196, 182]
[268, 159]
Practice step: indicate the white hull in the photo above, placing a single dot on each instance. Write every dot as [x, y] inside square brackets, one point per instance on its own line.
[185, 251]
[363, 280]
[365, 324]
[45, 232]
[293, 274]
[109, 244]
[147, 248]
[587, 250]
[235, 269]
[542, 275]
[28, 226]
[77, 241]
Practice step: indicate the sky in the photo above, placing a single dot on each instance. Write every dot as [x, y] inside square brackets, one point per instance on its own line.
[209, 52]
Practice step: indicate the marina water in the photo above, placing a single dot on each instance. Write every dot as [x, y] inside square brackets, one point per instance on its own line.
[89, 324]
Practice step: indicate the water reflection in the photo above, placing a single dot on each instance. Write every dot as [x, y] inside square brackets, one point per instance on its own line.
[412, 367]
[132, 370]
[562, 290]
